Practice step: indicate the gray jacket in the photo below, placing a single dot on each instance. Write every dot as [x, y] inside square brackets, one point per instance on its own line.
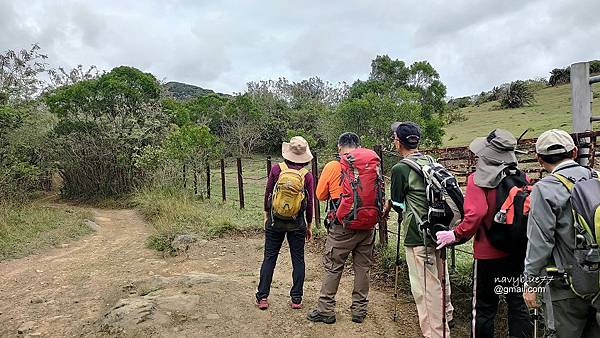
[550, 231]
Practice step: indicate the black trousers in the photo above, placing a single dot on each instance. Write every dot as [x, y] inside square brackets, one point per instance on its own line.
[273, 240]
[488, 274]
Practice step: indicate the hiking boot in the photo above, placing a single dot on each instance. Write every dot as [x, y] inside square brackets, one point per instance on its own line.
[316, 316]
[296, 303]
[356, 318]
[262, 304]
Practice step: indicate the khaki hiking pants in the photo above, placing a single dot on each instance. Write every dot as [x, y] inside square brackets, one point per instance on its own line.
[426, 287]
[339, 244]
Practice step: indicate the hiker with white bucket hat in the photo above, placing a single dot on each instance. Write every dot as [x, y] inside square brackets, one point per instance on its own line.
[288, 212]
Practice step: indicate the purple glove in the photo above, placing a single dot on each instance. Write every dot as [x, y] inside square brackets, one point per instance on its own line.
[445, 238]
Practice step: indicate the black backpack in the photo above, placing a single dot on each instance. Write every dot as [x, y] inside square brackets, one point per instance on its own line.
[508, 231]
[444, 198]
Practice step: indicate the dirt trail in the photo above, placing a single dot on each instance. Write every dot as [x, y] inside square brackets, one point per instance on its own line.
[109, 283]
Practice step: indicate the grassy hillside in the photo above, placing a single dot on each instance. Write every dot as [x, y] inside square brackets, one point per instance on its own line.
[552, 110]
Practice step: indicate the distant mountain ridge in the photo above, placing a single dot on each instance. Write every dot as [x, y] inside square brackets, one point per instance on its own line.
[183, 91]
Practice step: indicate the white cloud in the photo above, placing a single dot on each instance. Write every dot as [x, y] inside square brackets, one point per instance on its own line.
[224, 44]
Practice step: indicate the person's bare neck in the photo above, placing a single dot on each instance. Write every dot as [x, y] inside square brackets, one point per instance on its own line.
[407, 152]
[550, 167]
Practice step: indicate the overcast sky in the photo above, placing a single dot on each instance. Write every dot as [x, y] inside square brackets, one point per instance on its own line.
[221, 45]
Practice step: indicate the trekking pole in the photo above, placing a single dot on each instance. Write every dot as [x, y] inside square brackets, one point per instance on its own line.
[443, 282]
[427, 261]
[535, 322]
[397, 268]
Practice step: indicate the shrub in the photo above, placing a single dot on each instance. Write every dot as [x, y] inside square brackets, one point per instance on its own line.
[461, 102]
[595, 67]
[559, 76]
[454, 115]
[518, 94]
[103, 125]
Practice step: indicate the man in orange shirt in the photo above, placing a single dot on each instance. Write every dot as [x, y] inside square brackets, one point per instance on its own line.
[340, 243]
[329, 187]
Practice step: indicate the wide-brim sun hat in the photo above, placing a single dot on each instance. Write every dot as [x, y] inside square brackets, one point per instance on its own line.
[297, 150]
[496, 152]
[499, 147]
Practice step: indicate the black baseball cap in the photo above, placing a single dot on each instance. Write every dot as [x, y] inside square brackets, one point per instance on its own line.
[408, 133]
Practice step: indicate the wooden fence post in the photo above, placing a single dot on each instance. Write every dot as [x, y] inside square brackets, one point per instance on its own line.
[223, 180]
[378, 149]
[383, 229]
[240, 182]
[316, 204]
[207, 179]
[269, 165]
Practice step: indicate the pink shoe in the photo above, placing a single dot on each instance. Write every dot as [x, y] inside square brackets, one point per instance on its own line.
[262, 304]
[296, 306]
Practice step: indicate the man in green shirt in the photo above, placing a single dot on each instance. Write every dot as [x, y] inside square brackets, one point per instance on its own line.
[424, 263]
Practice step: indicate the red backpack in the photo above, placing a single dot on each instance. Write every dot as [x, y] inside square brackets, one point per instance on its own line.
[361, 203]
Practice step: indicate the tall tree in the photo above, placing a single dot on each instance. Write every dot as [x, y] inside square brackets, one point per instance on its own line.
[295, 108]
[425, 79]
[393, 73]
[24, 123]
[19, 74]
[242, 125]
[207, 110]
[393, 92]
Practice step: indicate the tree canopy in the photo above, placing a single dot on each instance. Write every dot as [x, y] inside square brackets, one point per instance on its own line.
[109, 132]
[393, 92]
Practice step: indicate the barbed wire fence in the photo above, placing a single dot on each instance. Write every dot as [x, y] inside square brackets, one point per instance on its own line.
[458, 160]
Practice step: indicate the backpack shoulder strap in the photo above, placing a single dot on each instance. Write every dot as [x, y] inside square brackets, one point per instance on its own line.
[303, 172]
[565, 181]
[413, 165]
[283, 166]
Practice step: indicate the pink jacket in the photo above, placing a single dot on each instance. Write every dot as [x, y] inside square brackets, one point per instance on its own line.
[478, 215]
